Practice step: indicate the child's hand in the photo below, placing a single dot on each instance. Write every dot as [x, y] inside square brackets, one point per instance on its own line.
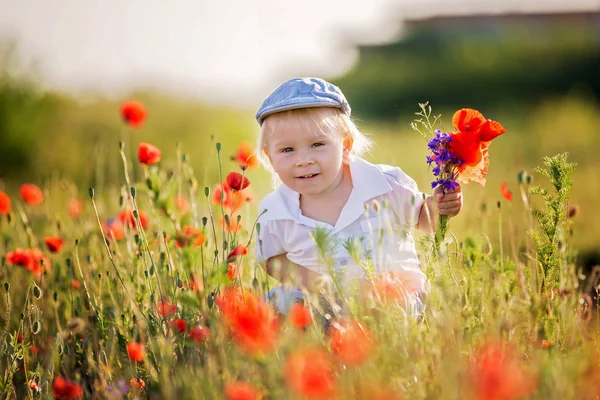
[449, 203]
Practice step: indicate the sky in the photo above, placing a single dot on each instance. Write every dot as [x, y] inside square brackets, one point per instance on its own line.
[223, 51]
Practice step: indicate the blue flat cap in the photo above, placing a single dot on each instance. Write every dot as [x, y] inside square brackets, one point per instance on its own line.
[303, 93]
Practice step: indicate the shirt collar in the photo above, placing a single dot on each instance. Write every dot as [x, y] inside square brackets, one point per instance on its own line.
[368, 181]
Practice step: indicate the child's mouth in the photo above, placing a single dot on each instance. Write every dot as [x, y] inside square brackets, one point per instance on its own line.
[307, 176]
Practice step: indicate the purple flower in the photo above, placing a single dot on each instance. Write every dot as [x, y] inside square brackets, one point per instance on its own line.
[446, 184]
[443, 160]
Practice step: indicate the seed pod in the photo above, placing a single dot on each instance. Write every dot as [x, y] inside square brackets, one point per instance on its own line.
[37, 292]
[36, 327]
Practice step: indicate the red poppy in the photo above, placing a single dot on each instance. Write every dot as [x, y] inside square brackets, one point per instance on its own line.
[232, 199]
[300, 316]
[30, 259]
[237, 181]
[75, 284]
[245, 156]
[496, 373]
[199, 333]
[19, 257]
[471, 141]
[351, 342]
[469, 120]
[180, 325]
[5, 206]
[166, 309]
[113, 229]
[234, 271]
[467, 147]
[148, 154]
[32, 194]
[34, 349]
[240, 250]
[54, 244]
[546, 344]
[64, 389]
[309, 372]
[240, 391]
[507, 194]
[75, 207]
[252, 321]
[136, 351]
[133, 113]
[127, 216]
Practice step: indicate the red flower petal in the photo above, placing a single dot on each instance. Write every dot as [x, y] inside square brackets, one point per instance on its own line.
[32, 194]
[467, 120]
[490, 130]
[240, 391]
[309, 372]
[133, 113]
[466, 146]
[5, 206]
[237, 181]
[54, 244]
[351, 343]
[245, 156]
[136, 351]
[64, 389]
[300, 316]
[507, 194]
[240, 250]
[148, 154]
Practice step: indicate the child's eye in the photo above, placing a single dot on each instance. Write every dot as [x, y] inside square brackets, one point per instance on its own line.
[286, 150]
[318, 144]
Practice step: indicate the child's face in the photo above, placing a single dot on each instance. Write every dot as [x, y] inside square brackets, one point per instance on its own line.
[310, 163]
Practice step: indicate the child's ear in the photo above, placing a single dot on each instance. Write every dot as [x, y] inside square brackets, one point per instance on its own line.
[347, 147]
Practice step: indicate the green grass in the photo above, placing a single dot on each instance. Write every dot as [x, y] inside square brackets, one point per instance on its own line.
[486, 299]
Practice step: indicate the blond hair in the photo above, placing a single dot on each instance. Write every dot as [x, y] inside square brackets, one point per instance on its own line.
[316, 119]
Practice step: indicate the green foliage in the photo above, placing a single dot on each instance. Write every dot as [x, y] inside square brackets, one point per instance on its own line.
[551, 237]
[495, 64]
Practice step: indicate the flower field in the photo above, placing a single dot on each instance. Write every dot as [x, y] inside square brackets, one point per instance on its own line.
[151, 290]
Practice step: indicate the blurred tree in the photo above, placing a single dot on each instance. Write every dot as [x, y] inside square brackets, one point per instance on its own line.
[24, 111]
[475, 61]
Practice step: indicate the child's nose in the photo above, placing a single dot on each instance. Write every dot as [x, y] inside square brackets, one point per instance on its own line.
[303, 158]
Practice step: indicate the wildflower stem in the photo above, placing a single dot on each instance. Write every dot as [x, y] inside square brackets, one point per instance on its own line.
[112, 261]
[440, 232]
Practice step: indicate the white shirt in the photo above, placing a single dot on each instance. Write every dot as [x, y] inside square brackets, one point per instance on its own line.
[382, 208]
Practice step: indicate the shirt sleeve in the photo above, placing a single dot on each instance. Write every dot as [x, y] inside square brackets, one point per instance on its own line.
[268, 243]
[405, 198]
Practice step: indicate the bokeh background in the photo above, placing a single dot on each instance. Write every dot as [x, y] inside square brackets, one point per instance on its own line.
[202, 69]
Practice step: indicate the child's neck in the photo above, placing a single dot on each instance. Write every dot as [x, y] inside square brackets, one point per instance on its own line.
[328, 206]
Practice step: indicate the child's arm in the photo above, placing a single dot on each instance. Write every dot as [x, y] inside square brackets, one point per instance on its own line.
[449, 203]
[282, 269]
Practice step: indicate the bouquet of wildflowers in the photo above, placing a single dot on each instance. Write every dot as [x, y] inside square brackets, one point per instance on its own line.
[459, 156]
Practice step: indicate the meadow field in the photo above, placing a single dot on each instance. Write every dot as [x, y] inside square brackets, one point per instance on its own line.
[131, 273]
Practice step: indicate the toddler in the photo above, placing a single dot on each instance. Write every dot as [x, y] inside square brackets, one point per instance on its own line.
[324, 189]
